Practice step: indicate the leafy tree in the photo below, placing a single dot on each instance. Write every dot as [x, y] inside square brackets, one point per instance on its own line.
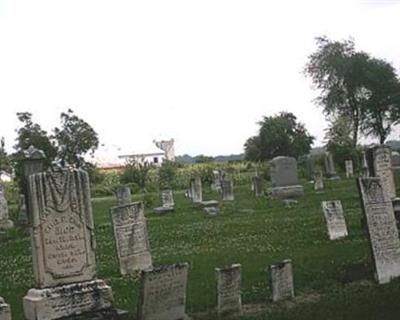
[74, 139]
[279, 135]
[5, 161]
[136, 172]
[167, 174]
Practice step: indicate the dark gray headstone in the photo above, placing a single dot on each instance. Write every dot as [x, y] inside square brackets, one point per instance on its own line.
[284, 178]
[282, 280]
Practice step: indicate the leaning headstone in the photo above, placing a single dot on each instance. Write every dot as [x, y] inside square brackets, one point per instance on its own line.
[318, 180]
[23, 215]
[229, 300]
[349, 168]
[123, 195]
[380, 165]
[196, 189]
[5, 311]
[5, 222]
[63, 245]
[284, 178]
[163, 293]
[130, 233]
[282, 280]
[227, 190]
[330, 166]
[257, 186]
[334, 218]
[382, 230]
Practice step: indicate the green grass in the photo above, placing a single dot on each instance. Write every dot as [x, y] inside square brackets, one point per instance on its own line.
[333, 279]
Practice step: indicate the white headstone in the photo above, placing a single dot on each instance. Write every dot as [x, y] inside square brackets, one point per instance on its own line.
[334, 218]
[167, 198]
[349, 168]
[196, 190]
[229, 300]
[318, 181]
[227, 190]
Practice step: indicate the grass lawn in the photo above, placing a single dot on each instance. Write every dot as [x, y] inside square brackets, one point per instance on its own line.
[333, 279]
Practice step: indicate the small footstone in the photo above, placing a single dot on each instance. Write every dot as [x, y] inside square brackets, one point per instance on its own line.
[212, 211]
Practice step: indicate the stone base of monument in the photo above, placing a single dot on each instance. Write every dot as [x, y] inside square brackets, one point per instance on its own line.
[5, 311]
[70, 300]
[6, 224]
[163, 210]
[286, 192]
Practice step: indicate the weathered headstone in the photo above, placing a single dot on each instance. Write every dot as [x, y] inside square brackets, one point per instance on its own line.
[130, 233]
[318, 180]
[123, 195]
[216, 183]
[282, 280]
[229, 300]
[5, 222]
[163, 293]
[227, 190]
[167, 198]
[334, 218]
[380, 165]
[5, 311]
[396, 209]
[23, 215]
[330, 166]
[284, 178]
[63, 246]
[364, 166]
[196, 189]
[349, 168]
[395, 160]
[382, 230]
[257, 183]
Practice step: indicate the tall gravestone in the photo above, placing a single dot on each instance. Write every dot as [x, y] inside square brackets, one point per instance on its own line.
[349, 168]
[163, 293]
[123, 195]
[381, 226]
[380, 165]
[229, 300]
[330, 166]
[5, 310]
[258, 186]
[364, 165]
[284, 178]
[23, 214]
[318, 180]
[63, 244]
[130, 233]
[196, 190]
[282, 280]
[5, 222]
[334, 218]
[227, 190]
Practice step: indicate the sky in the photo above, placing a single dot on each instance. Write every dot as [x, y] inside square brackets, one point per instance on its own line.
[201, 72]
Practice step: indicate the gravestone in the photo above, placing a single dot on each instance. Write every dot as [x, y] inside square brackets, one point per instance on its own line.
[63, 246]
[381, 225]
[349, 168]
[330, 166]
[284, 178]
[123, 195]
[196, 190]
[163, 293]
[396, 209]
[380, 165]
[282, 280]
[130, 234]
[227, 190]
[334, 218]
[229, 300]
[5, 311]
[216, 183]
[364, 166]
[395, 160]
[211, 211]
[23, 215]
[257, 186]
[318, 180]
[167, 199]
[5, 222]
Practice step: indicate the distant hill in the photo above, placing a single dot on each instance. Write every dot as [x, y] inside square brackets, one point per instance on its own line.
[189, 159]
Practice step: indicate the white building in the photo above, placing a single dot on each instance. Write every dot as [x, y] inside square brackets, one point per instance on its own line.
[156, 157]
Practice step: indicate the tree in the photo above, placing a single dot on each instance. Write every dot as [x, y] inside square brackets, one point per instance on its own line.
[136, 172]
[74, 139]
[5, 162]
[279, 135]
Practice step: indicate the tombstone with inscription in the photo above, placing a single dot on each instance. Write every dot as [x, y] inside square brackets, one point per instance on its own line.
[163, 293]
[349, 168]
[196, 190]
[318, 180]
[284, 178]
[63, 244]
[330, 166]
[5, 222]
[282, 280]
[216, 183]
[334, 218]
[130, 233]
[257, 186]
[5, 311]
[229, 300]
[22, 215]
[167, 198]
[227, 190]
[124, 196]
[379, 162]
[382, 231]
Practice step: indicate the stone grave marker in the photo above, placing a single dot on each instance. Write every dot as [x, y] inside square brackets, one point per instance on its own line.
[227, 190]
[163, 293]
[364, 166]
[229, 300]
[257, 186]
[196, 190]
[349, 168]
[216, 183]
[330, 166]
[282, 280]
[167, 199]
[381, 225]
[63, 246]
[130, 233]
[5, 222]
[334, 218]
[284, 178]
[22, 215]
[380, 165]
[395, 160]
[123, 195]
[318, 180]
[5, 310]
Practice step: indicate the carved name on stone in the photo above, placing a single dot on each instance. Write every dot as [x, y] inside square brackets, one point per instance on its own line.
[229, 301]
[334, 218]
[382, 230]
[167, 198]
[131, 239]
[123, 195]
[282, 280]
